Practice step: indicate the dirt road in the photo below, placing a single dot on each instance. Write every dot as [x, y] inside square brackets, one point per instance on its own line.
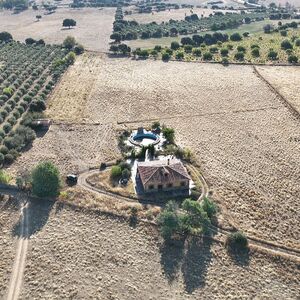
[22, 246]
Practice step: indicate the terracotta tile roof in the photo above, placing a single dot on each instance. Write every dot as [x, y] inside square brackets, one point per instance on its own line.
[162, 172]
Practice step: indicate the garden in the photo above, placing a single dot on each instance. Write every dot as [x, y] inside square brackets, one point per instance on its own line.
[29, 73]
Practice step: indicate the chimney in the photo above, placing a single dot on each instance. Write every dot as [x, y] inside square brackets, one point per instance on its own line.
[168, 161]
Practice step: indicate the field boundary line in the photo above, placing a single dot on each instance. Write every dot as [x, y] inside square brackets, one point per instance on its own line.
[196, 115]
[284, 100]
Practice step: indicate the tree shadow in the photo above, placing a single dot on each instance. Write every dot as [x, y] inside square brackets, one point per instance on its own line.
[197, 258]
[172, 254]
[38, 211]
[240, 257]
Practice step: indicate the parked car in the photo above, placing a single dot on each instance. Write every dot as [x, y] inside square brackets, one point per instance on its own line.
[72, 179]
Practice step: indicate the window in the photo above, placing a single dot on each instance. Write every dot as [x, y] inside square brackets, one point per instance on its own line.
[160, 186]
[182, 183]
[170, 185]
[151, 187]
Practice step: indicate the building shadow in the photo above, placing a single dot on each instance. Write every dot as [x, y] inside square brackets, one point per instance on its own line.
[196, 261]
[172, 254]
[38, 211]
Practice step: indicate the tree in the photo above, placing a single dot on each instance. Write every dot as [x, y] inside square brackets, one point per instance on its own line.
[165, 56]
[116, 36]
[267, 28]
[286, 44]
[209, 207]
[45, 180]
[197, 52]
[169, 221]
[292, 59]
[38, 17]
[283, 33]
[224, 51]
[169, 134]
[239, 56]
[236, 37]
[69, 23]
[70, 58]
[69, 42]
[175, 45]
[195, 220]
[255, 52]
[297, 42]
[237, 241]
[207, 56]
[241, 49]
[179, 55]
[5, 37]
[30, 41]
[273, 55]
[124, 49]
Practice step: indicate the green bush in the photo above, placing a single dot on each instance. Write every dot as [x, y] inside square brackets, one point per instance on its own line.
[165, 56]
[286, 44]
[237, 241]
[207, 56]
[169, 134]
[209, 207]
[293, 59]
[116, 172]
[224, 52]
[45, 180]
[197, 52]
[179, 55]
[4, 177]
[255, 52]
[239, 56]
[175, 45]
[273, 55]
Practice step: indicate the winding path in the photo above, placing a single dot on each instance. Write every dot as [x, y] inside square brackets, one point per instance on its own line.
[259, 244]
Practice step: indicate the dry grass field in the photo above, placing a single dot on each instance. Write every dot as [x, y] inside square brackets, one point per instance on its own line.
[243, 135]
[93, 256]
[93, 28]
[72, 148]
[165, 16]
[9, 216]
[286, 81]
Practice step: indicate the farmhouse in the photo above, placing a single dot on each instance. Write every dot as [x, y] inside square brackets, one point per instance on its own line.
[162, 175]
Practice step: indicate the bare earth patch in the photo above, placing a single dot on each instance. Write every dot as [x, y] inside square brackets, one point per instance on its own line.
[9, 216]
[77, 255]
[93, 28]
[286, 81]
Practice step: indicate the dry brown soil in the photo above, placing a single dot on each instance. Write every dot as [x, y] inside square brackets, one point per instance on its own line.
[286, 80]
[93, 28]
[94, 256]
[9, 217]
[246, 140]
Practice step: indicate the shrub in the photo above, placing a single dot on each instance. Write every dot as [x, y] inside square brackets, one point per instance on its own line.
[126, 174]
[78, 49]
[237, 241]
[1, 158]
[297, 42]
[3, 150]
[116, 172]
[213, 49]
[6, 127]
[4, 177]
[45, 180]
